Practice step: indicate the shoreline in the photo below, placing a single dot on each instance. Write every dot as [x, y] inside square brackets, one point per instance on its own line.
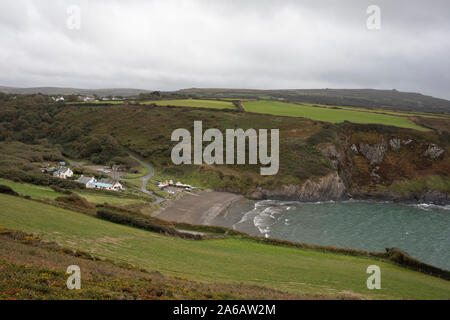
[210, 209]
[200, 208]
[204, 207]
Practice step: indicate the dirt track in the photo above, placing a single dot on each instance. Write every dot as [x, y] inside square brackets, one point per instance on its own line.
[198, 209]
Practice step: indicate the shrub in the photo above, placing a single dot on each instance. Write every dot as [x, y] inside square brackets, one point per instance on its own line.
[141, 223]
[18, 175]
[406, 260]
[7, 190]
[75, 200]
[59, 189]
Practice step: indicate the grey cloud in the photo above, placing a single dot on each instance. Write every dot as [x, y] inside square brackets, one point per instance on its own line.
[263, 44]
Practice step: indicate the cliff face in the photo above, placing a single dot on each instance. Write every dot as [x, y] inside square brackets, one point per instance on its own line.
[330, 187]
[372, 166]
[374, 153]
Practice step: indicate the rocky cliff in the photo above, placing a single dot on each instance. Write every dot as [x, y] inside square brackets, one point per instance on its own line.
[330, 187]
[369, 166]
[372, 164]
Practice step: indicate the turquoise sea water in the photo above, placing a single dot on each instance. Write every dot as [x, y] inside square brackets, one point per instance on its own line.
[423, 231]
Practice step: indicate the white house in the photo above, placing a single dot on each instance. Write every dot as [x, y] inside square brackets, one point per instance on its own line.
[88, 99]
[102, 184]
[61, 98]
[63, 173]
[111, 184]
[87, 181]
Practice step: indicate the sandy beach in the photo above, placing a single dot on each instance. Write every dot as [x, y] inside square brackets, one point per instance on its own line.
[200, 208]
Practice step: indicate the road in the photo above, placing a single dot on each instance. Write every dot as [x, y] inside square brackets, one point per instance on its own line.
[145, 179]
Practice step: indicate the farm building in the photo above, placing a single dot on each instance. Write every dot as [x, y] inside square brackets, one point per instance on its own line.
[103, 184]
[86, 181]
[56, 99]
[63, 173]
[115, 185]
[88, 99]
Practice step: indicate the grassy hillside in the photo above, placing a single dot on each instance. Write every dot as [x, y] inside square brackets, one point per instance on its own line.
[327, 114]
[231, 260]
[33, 269]
[381, 111]
[152, 128]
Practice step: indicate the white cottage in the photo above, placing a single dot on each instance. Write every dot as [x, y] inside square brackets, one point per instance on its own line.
[63, 173]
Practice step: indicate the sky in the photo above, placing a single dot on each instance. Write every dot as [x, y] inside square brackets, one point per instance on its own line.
[258, 44]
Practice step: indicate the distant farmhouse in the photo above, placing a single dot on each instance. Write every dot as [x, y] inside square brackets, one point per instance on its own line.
[56, 99]
[63, 173]
[88, 99]
[102, 184]
[87, 181]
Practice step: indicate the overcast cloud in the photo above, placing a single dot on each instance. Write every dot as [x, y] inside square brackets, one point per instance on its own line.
[174, 44]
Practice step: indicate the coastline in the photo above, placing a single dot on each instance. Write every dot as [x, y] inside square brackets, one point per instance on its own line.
[201, 208]
[204, 207]
[219, 209]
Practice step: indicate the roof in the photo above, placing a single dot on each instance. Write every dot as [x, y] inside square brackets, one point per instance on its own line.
[84, 180]
[106, 180]
[103, 185]
[62, 170]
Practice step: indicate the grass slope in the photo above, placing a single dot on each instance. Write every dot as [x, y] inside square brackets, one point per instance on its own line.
[31, 270]
[328, 115]
[231, 260]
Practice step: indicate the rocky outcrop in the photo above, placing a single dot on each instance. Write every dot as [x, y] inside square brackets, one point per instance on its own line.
[433, 151]
[373, 152]
[332, 154]
[341, 159]
[374, 175]
[330, 187]
[395, 144]
[429, 197]
[435, 197]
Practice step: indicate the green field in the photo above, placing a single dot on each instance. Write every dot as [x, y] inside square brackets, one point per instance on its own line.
[231, 260]
[212, 104]
[381, 111]
[327, 114]
[42, 192]
[34, 191]
[97, 102]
